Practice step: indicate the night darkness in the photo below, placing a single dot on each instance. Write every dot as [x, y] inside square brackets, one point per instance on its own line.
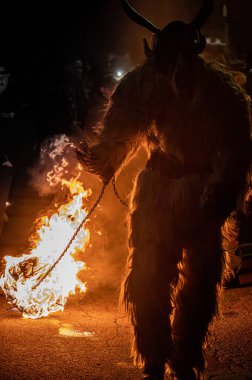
[40, 35]
[195, 120]
[37, 38]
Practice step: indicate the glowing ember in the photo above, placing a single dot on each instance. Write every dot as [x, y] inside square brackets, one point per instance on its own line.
[22, 274]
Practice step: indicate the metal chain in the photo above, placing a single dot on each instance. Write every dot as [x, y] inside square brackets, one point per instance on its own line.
[117, 194]
[72, 238]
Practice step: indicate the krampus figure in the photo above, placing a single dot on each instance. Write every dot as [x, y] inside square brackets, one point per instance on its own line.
[195, 120]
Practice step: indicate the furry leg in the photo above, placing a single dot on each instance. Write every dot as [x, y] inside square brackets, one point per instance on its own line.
[151, 271]
[196, 302]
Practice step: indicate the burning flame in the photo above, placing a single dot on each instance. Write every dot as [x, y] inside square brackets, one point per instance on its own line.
[20, 281]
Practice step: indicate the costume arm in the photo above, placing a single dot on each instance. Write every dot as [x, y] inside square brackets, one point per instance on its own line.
[122, 131]
[230, 170]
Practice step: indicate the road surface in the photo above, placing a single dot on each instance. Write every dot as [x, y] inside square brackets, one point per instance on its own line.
[91, 340]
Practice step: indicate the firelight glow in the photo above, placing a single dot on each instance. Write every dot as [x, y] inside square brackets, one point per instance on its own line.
[22, 274]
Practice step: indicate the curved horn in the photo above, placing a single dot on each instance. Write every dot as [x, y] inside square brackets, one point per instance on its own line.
[136, 17]
[203, 14]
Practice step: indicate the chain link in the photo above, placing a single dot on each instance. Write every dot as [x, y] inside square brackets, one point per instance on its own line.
[78, 229]
[72, 238]
[118, 195]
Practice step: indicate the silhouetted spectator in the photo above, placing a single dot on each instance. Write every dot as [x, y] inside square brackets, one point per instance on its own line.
[18, 137]
[63, 98]
[100, 101]
[108, 86]
[72, 103]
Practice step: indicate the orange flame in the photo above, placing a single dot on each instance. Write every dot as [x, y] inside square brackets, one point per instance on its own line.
[22, 273]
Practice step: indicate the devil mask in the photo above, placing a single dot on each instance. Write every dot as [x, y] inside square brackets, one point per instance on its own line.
[176, 38]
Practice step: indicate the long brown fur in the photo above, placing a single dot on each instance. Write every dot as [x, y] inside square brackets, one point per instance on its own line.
[198, 141]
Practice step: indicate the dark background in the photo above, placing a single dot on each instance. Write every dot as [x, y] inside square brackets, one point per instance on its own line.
[40, 34]
[36, 39]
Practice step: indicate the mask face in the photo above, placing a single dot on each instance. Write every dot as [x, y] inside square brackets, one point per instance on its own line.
[177, 37]
[4, 80]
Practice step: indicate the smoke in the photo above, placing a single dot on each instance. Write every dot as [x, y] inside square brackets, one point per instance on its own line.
[54, 162]
[105, 256]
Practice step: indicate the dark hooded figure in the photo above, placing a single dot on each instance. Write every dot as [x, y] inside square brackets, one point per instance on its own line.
[194, 120]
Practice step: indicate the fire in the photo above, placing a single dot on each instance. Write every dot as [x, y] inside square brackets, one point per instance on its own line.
[24, 282]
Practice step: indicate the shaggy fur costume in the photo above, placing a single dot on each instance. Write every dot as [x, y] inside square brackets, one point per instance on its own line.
[195, 122]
